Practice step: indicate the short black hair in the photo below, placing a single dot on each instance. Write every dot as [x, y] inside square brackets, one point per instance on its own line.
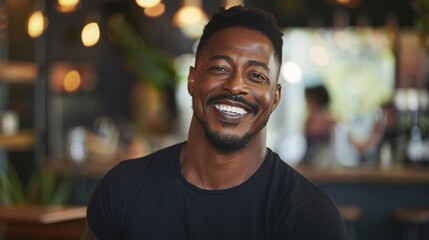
[252, 18]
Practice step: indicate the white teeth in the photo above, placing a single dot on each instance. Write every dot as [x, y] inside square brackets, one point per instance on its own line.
[230, 109]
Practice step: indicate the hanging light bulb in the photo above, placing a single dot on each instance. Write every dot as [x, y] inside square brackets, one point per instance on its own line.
[156, 11]
[36, 24]
[188, 15]
[90, 34]
[191, 18]
[147, 3]
[67, 6]
[72, 81]
[231, 3]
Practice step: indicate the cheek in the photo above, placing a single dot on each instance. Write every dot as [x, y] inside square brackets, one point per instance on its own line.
[266, 100]
[207, 87]
[203, 90]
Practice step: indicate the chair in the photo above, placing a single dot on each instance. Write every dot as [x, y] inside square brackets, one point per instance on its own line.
[350, 215]
[411, 220]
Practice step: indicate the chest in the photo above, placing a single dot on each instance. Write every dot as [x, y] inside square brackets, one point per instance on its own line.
[181, 214]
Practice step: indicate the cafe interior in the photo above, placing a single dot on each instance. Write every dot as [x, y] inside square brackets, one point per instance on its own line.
[87, 84]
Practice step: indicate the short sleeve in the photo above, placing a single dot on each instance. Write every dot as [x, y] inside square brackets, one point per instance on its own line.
[317, 218]
[103, 215]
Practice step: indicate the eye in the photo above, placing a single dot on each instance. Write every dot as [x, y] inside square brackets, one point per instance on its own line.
[218, 70]
[254, 76]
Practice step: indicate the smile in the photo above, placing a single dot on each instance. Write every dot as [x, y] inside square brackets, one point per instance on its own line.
[231, 110]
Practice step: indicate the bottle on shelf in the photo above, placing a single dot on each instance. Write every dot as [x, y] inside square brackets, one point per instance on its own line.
[417, 132]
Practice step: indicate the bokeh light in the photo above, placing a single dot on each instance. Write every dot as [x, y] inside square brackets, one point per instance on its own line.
[155, 11]
[90, 34]
[72, 81]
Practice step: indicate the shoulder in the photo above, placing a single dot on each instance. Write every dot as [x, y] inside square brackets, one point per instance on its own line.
[293, 191]
[288, 179]
[156, 159]
[302, 205]
[134, 171]
[127, 184]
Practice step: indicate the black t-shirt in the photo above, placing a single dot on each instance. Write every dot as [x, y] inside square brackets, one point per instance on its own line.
[148, 199]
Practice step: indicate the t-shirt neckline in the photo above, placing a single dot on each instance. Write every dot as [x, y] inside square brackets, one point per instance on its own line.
[221, 191]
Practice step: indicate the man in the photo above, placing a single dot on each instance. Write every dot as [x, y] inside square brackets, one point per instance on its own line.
[223, 182]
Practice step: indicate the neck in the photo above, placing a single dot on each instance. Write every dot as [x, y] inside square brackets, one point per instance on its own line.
[207, 168]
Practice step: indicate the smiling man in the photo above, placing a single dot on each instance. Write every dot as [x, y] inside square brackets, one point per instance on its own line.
[223, 182]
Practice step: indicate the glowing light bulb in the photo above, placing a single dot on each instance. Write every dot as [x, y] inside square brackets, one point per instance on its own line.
[344, 2]
[147, 3]
[90, 34]
[67, 6]
[188, 15]
[156, 11]
[37, 23]
[231, 3]
[72, 81]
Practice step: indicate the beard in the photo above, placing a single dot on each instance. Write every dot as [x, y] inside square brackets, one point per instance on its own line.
[227, 143]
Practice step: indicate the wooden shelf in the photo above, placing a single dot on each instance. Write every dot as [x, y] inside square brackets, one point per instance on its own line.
[18, 72]
[42, 223]
[41, 214]
[21, 141]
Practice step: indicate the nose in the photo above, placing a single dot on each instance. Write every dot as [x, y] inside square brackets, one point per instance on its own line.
[236, 84]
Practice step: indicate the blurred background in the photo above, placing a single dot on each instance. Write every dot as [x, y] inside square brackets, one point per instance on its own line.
[87, 84]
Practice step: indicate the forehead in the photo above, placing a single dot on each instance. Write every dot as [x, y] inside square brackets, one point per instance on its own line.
[240, 43]
[239, 39]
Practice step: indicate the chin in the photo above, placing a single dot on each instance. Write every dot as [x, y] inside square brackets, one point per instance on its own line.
[227, 143]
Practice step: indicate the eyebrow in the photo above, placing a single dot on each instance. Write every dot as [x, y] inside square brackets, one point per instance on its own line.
[250, 62]
[220, 57]
[259, 64]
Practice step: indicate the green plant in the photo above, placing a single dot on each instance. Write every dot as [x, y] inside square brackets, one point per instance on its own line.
[43, 188]
[11, 188]
[421, 21]
[147, 62]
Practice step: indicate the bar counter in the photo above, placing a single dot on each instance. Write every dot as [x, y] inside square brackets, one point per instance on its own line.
[367, 174]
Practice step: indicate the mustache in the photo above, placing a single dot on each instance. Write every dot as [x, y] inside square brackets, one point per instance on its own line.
[253, 107]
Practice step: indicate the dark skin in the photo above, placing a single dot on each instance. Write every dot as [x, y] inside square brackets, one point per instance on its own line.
[236, 61]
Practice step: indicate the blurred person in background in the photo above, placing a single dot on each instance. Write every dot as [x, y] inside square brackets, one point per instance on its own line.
[319, 127]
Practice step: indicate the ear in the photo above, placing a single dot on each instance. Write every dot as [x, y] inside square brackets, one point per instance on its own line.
[277, 96]
[191, 81]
